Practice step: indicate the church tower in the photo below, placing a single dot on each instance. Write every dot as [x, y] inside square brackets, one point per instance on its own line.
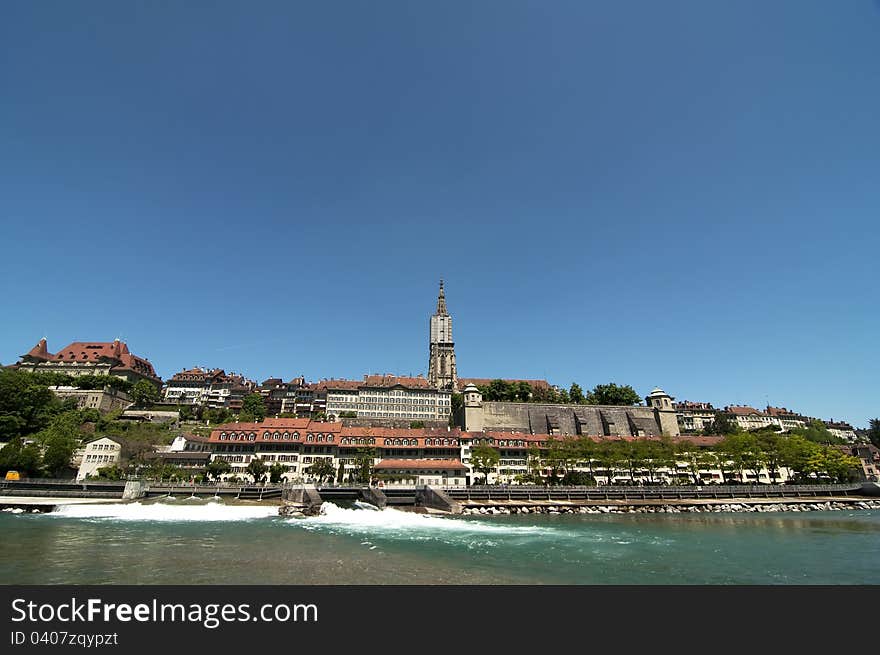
[441, 365]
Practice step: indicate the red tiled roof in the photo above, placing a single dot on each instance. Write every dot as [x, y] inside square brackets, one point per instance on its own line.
[303, 426]
[394, 380]
[195, 437]
[40, 352]
[421, 464]
[373, 381]
[93, 351]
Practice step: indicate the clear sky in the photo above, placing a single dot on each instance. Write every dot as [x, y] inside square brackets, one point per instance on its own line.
[682, 194]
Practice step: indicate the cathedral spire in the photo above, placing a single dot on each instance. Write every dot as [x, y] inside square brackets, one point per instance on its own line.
[441, 302]
[441, 365]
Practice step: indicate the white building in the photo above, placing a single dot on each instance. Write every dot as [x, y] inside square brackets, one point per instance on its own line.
[387, 397]
[98, 454]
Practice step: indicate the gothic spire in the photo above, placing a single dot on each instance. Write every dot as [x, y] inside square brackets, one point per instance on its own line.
[441, 302]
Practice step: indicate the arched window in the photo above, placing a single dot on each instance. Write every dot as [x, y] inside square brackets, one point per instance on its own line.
[223, 436]
[286, 435]
[276, 436]
[252, 436]
[232, 435]
[296, 435]
[310, 437]
[266, 434]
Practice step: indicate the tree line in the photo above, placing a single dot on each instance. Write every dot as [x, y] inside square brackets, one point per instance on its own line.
[522, 392]
[581, 460]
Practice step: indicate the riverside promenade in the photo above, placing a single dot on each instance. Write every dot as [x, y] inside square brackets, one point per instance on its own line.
[47, 494]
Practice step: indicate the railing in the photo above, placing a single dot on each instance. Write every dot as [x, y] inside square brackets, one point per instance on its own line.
[71, 481]
[611, 492]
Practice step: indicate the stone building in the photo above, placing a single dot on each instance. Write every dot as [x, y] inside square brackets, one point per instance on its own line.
[656, 419]
[104, 400]
[441, 361]
[89, 358]
[694, 416]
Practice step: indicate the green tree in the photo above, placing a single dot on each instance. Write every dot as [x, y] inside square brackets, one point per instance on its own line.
[363, 459]
[415, 425]
[560, 456]
[26, 403]
[340, 472]
[217, 468]
[770, 444]
[276, 471]
[722, 424]
[613, 394]
[321, 469]
[816, 432]
[257, 468]
[839, 466]
[585, 451]
[59, 441]
[795, 454]
[101, 382]
[576, 394]
[874, 432]
[484, 459]
[521, 392]
[16, 456]
[144, 393]
[252, 408]
[610, 458]
[111, 472]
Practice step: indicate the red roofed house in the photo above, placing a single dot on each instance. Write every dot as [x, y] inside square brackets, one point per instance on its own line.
[90, 358]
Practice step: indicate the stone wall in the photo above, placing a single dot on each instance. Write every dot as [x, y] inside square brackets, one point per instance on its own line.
[539, 418]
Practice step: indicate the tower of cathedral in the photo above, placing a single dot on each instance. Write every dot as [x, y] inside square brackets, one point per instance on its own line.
[441, 366]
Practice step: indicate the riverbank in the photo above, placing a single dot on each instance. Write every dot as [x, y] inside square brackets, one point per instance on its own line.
[672, 507]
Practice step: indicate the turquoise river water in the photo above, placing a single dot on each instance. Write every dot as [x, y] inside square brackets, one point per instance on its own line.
[206, 542]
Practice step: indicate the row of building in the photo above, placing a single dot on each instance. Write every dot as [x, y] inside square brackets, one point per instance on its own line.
[403, 456]
[399, 401]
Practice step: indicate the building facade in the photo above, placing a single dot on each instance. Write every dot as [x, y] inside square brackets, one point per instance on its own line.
[104, 400]
[212, 388]
[388, 397]
[96, 455]
[90, 358]
[655, 419]
[694, 416]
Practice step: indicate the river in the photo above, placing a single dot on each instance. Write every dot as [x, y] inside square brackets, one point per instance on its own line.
[207, 542]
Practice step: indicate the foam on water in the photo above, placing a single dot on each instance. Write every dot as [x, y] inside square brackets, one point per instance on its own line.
[390, 522]
[162, 511]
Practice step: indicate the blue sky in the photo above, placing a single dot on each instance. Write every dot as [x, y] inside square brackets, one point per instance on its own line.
[683, 194]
